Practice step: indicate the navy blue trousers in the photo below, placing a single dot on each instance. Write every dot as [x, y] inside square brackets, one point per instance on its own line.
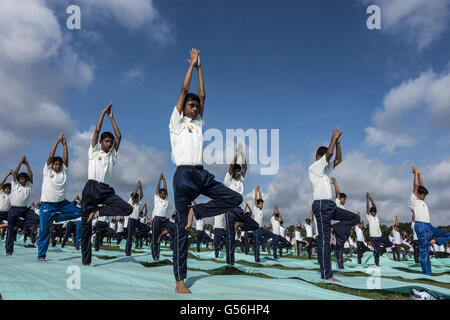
[219, 238]
[14, 213]
[133, 224]
[95, 193]
[71, 230]
[247, 236]
[325, 211]
[188, 183]
[158, 224]
[248, 225]
[376, 242]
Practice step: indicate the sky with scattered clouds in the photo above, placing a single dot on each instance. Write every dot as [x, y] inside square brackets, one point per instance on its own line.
[298, 66]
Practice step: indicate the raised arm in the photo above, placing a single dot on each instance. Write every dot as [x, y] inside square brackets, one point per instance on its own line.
[116, 129]
[10, 172]
[230, 169]
[141, 191]
[16, 172]
[338, 158]
[312, 216]
[187, 81]
[244, 161]
[369, 198]
[336, 188]
[248, 207]
[52, 152]
[98, 127]
[136, 190]
[396, 221]
[201, 85]
[30, 173]
[334, 138]
[256, 194]
[65, 152]
[418, 181]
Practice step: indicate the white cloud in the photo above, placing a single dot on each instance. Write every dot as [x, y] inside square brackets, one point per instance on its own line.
[390, 186]
[134, 74]
[412, 107]
[36, 65]
[419, 21]
[136, 16]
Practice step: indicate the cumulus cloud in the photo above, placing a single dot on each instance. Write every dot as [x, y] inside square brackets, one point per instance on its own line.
[389, 185]
[418, 21]
[36, 65]
[136, 16]
[134, 74]
[413, 106]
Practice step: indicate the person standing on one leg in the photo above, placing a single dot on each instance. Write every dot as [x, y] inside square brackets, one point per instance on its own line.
[397, 240]
[19, 199]
[309, 234]
[360, 247]
[426, 233]
[276, 238]
[374, 229]
[258, 213]
[191, 179]
[5, 195]
[324, 208]
[133, 221]
[98, 196]
[160, 220]
[415, 241]
[234, 179]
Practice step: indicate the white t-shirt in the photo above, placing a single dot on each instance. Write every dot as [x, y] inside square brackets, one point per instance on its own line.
[53, 184]
[414, 231]
[319, 176]
[160, 206]
[219, 221]
[391, 239]
[4, 201]
[338, 204]
[233, 184]
[298, 235]
[282, 232]
[136, 208]
[112, 225]
[142, 219]
[359, 234]
[186, 139]
[397, 237]
[101, 164]
[38, 212]
[119, 227]
[125, 221]
[374, 226]
[199, 224]
[208, 233]
[419, 208]
[309, 230]
[275, 226]
[258, 215]
[20, 195]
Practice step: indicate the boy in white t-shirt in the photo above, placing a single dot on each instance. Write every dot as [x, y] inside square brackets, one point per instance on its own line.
[397, 240]
[375, 234]
[325, 208]
[309, 228]
[426, 233]
[5, 194]
[160, 220]
[191, 179]
[133, 219]
[415, 241]
[98, 195]
[19, 199]
[54, 208]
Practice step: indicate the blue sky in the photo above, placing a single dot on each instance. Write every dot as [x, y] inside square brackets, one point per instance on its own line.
[298, 66]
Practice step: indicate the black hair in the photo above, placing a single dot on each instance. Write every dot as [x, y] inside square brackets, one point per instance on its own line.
[342, 195]
[136, 197]
[422, 190]
[23, 174]
[374, 210]
[57, 159]
[321, 151]
[162, 189]
[6, 185]
[107, 134]
[259, 201]
[236, 167]
[191, 96]
[277, 215]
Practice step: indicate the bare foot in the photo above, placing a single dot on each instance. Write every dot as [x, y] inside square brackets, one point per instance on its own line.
[181, 287]
[87, 265]
[91, 216]
[41, 260]
[9, 254]
[190, 218]
[334, 279]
